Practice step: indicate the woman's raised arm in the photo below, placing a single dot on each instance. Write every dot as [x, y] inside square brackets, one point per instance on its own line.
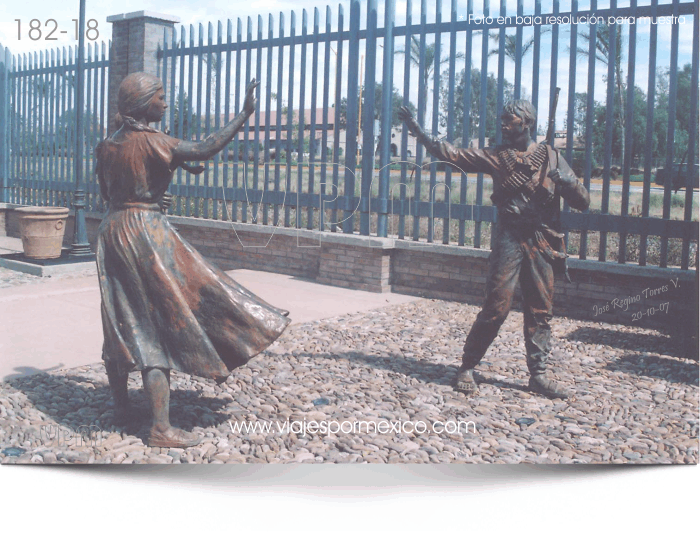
[215, 142]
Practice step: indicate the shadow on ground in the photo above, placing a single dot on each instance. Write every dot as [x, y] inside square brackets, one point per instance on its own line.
[627, 340]
[76, 401]
[672, 370]
[425, 371]
[24, 371]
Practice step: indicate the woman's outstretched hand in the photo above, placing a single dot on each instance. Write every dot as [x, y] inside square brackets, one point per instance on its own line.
[216, 141]
[250, 102]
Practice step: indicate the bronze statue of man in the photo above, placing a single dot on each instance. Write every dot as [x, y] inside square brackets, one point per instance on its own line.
[164, 307]
[528, 179]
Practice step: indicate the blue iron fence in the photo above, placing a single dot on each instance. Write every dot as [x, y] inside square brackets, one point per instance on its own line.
[323, 151]
[40, 125]
[335, 188]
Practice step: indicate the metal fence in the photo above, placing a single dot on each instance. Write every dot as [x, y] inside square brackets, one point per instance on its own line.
[310, 67]
[39, 134]
[318, 153]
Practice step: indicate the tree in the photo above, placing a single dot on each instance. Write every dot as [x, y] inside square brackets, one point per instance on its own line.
[683, 117]
[428, 64]
[213, 70]
[580, 112]
[190, 120]
[492, 113]
[683, 121]
[396, 103]
[35, 140]
[637, 127]
[637, 122]
[376, 106]
[511, 42]
[605, 55]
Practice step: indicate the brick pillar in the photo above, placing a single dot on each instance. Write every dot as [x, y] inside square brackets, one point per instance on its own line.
[136, 38]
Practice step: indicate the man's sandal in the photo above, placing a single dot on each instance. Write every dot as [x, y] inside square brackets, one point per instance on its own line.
[547, 387]
[464, 383]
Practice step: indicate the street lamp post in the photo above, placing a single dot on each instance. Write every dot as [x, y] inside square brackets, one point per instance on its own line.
[80, 246]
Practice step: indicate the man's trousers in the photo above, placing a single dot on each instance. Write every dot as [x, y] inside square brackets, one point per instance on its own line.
[515, 256]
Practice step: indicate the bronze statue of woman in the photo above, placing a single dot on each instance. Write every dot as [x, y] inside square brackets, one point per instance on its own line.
[164, 307]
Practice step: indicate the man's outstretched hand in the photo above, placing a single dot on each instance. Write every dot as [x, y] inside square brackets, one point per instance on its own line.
[406, 116]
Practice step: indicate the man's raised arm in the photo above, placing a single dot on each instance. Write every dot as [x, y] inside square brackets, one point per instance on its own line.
[467, 159]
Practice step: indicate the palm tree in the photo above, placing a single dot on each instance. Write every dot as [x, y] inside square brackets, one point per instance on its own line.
[428, 64]
[603, 54]
[511, 45]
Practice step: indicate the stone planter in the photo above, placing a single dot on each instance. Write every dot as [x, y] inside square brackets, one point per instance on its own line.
[42, 229]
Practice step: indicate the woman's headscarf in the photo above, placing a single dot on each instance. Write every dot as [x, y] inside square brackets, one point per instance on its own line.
[135, 94]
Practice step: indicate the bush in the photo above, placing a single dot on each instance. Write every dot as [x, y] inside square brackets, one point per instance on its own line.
[578, 162]
[656, 200]
[678, 200]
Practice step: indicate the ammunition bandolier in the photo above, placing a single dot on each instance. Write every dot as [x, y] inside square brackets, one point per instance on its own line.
[526, 176]
[522, 177]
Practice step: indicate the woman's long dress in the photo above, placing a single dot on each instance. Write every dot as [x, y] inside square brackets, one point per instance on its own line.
[163, 305]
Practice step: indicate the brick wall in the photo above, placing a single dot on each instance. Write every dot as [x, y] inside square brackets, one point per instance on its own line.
[440, 271]
[346, 265]
[627, 294]
[234, 246]
[608, 292]
[600, 291]
[334, 259]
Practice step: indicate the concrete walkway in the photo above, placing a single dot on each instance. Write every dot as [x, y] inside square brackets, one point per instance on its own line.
[56, 323]
[10, 245]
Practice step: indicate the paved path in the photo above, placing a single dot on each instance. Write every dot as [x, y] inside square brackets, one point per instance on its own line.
[55, 323]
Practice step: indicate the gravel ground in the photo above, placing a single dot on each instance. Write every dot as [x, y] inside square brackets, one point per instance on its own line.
[635, 401]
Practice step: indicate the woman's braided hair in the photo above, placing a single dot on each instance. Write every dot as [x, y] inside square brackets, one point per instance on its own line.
[135, 94]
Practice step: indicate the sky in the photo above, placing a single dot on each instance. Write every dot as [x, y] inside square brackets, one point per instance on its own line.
[189, 12]
[14, 35]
